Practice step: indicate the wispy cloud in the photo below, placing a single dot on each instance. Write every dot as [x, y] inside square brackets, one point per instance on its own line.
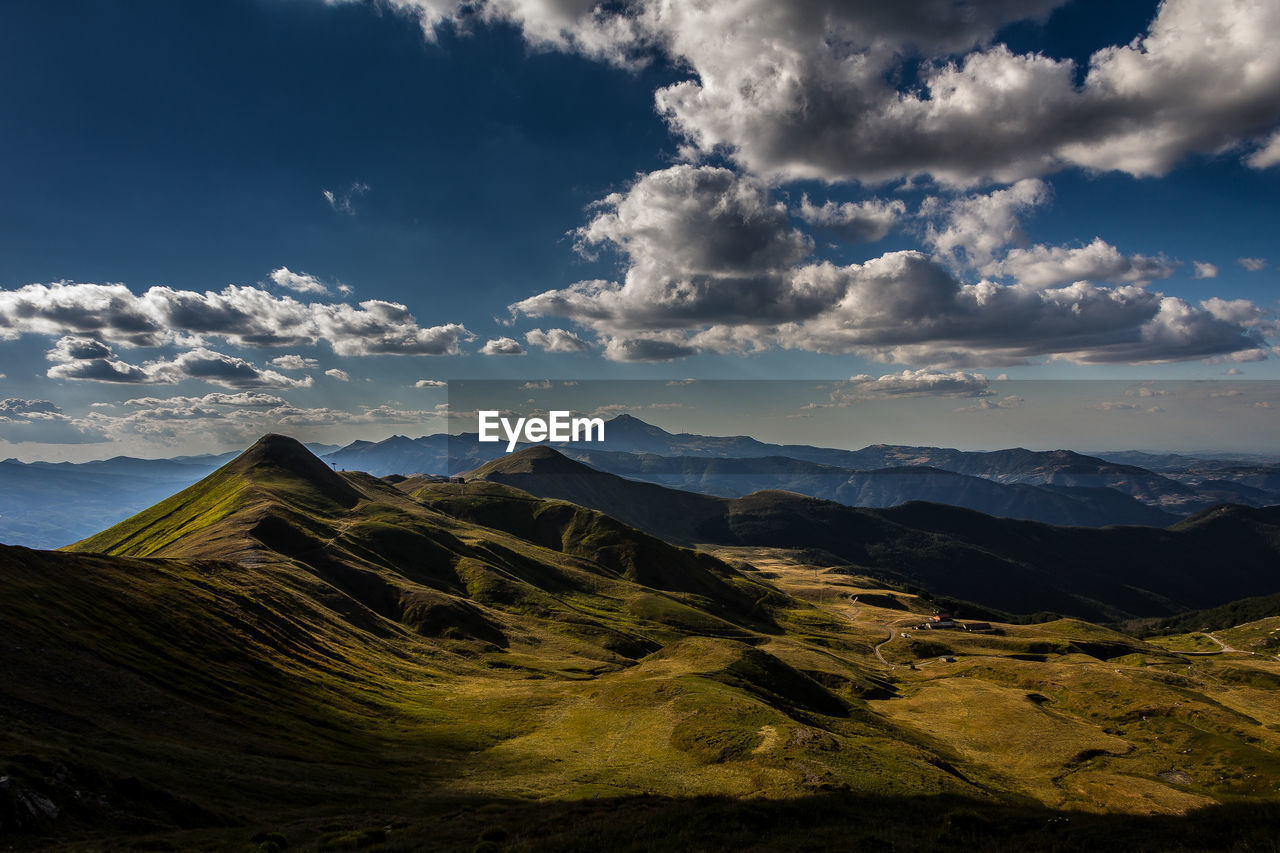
[343, 201]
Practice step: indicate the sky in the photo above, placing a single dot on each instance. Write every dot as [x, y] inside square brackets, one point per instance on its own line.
[222, 219]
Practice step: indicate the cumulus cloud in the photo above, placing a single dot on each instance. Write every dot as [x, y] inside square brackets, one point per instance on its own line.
[1205, 270]
[815, 90]
[378, 327]
[819, 101]
[701, 244]
[294, 362]
[219, 369]
[973, 227]
[712, 263]
[300, 282]
[647, 348]
[89, 360]
[502, 346]
[242, 399]
[1253, 264]
[242, 316]
[555, 340]
[92, 360]
[338, 374]
[42, 421]
[910, 383]
[1050, 266]
[431, 383]
[239, 418]
[863, 222]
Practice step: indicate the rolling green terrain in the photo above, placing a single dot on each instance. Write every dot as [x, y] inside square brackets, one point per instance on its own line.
[286, 654]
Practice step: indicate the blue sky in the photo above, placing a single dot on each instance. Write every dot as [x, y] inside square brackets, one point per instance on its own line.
[219, 218]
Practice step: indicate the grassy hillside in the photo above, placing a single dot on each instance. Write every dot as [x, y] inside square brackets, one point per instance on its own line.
[339, 662]
[1227, 615]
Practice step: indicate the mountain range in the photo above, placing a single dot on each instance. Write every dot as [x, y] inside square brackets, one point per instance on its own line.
[46, 505]
[1059, 486]
[285, 655]
[1017, 566]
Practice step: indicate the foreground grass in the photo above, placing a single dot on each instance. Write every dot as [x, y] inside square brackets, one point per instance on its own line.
[834, 821]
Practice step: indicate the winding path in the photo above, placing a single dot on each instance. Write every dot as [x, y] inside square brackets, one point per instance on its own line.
[882, 644]
[1222, 647]
[892, 629]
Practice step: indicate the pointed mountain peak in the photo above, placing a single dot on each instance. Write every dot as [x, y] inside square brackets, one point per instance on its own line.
[538, 459]
[629, 427]
[276, 449]
[276, 455]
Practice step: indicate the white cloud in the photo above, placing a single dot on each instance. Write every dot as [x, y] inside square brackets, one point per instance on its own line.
[1268, 154]
[819, 101]
[1050, 266]
[974, 227]
[555, 340]
[863, 222]
[219, 369]
[1240, 311]
[300, 282]
[902, 307]
[648, 348]
[502, 346]
[42, 421]
[383, 328]
[701, 244]
[1205, 270]
[89, 359]
[910, 383]
[239, 418]
[814, 90]
[431, 383]
[1253, 264]
[242, 399]
[712, 263]
[338, 374]
[294, 362]
[242, 316]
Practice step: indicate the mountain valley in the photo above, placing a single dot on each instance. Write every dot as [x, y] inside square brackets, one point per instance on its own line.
[282, 651]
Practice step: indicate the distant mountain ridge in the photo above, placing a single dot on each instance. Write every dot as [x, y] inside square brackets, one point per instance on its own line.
[1069, 484]
[1018, 566]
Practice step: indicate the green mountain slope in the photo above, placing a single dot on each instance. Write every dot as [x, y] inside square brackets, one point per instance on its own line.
[342, 662]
